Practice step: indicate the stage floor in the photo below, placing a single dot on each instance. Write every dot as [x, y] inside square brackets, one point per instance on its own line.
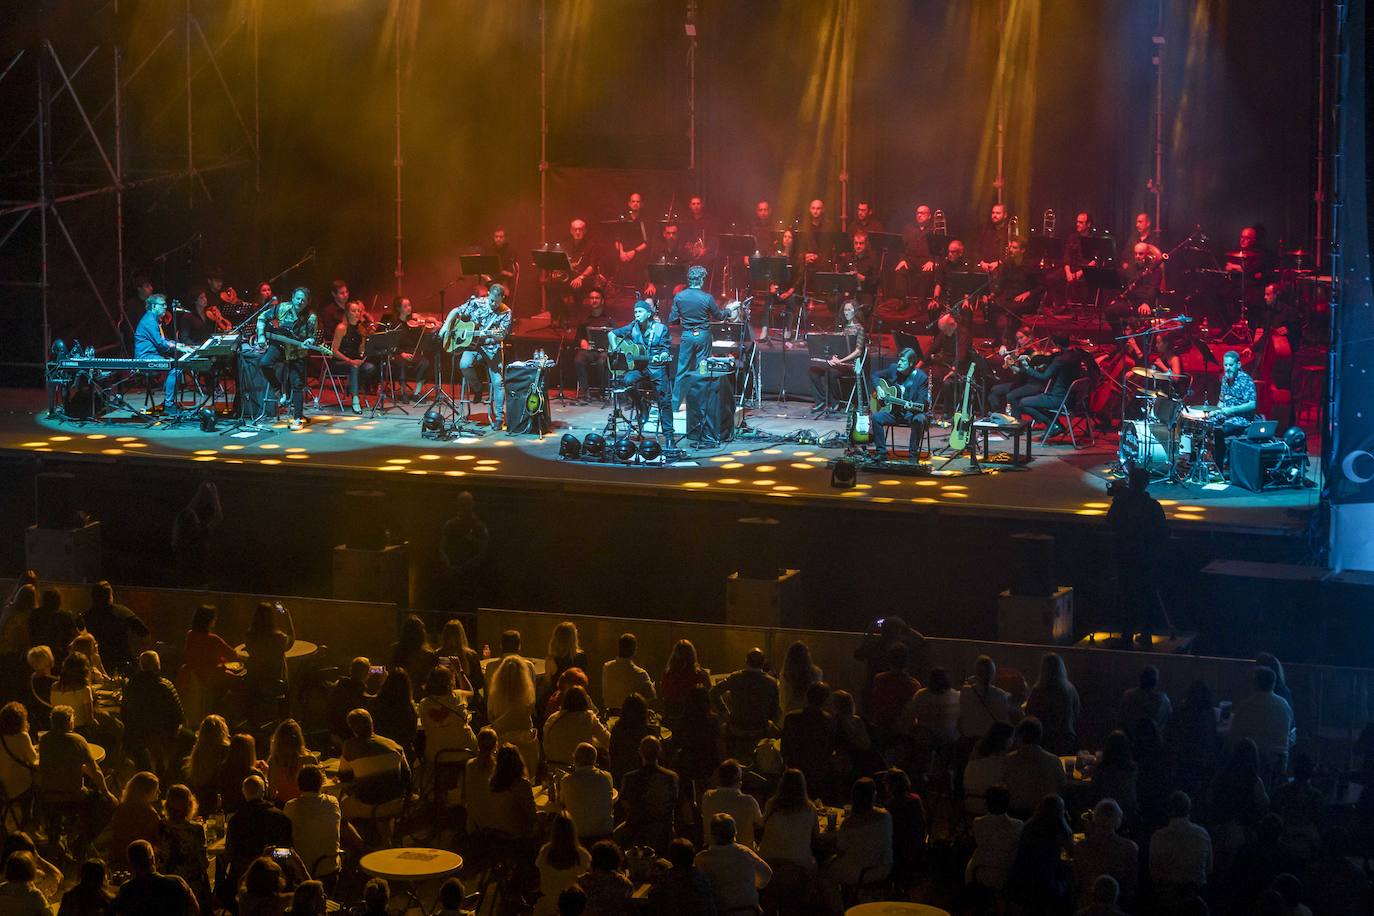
[1061, 481]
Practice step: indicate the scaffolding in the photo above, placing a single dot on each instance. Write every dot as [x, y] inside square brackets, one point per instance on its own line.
[65, 156]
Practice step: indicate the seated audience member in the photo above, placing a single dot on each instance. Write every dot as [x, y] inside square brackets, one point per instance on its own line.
[19, 895]
[1054, 701]
[286, 756]
[376, 895]
[698, 738]
[85, 643]
[790, 825]
[1270, 661]
[982, 703]
[854, 750]
[1336, 885]
[41, 681]
[373, 769]
[477, 780]
[863, 845]
[682, 890]
[50, 877]
[573, 724]
[240, 762]
[734, 871]
[729, 798]
[682, 674]
[569, 678]
[207, 756]
[1115, 776]
[260, 891]
[936, 708]
[621, 677]
[50, 624]
[586, 794]
[452, 897]
[205, 674]
[1144, 701]
[747, 700]
[90, 896]
[564, 651]
[1254, 864]
[152, 715]
[1154, 774]
[114, 626]
[444, 720]
[648, 796]
[309, 899]
[256, 825]
[1040, 881]
[1030, 771]
[572, 902]
[18, 756]
[1180, 855]
[181, 848]
[70, 776]
[510, 804]
[986, 767]
[462, 659]
[315, 823]
[136, 817]
[510, 648]
[1303, 808]
[1103, 851]
[510, 707]
[1239, 800]
[270, 635]
[1102, 898]
[73, 689]
[996, 837]
[875, 650]
[606, 885]
[630, 729]
[413, 652]
[148, 893]
[347, 694]
[393, 710]
[808, 739]
[1265, 718]
[560, 861]
[798, 673]
[1192, 741]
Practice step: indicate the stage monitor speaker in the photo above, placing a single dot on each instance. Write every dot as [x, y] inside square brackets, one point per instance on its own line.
[54, 498]
[1251, 460]
[710, 408]
[1032, 565]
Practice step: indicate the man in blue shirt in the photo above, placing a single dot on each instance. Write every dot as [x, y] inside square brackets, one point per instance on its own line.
[151, 343]
[648, 375]
[695, 308]
[913, 385]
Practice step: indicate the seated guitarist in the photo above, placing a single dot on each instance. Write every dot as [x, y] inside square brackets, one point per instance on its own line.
[492, 319]
[648, 375]
[913, 386]
[282, 362]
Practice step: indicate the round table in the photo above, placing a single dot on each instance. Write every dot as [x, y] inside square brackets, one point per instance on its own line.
[301, 648]
[894, 908]
[97, 752]
[411, 865]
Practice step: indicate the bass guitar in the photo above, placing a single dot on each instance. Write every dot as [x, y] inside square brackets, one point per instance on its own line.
[962, 426]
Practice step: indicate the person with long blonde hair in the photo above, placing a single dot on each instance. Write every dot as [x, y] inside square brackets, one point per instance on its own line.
[510, 708]
[285, 757]
[564, 651]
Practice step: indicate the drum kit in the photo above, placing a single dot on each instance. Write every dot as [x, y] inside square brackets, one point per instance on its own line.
[1172, 441]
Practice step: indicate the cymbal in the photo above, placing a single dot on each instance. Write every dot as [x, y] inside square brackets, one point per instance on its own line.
[1250, 253]
[1157, 374]
[1297, 253]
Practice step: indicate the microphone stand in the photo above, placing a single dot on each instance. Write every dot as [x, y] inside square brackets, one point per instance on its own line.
[308, 256]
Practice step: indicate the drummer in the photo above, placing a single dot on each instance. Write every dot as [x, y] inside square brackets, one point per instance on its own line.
[1236, 405]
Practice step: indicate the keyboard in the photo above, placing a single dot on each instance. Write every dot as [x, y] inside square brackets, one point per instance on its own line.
[119, 364]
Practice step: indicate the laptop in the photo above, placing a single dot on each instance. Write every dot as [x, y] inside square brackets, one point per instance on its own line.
[1260, 430]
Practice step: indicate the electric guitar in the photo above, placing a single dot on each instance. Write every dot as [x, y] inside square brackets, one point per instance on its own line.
[860, 424]
[885, 393]
[962, 425]
[292, 345]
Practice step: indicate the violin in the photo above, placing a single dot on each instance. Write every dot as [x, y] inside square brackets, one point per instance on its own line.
[212, 313]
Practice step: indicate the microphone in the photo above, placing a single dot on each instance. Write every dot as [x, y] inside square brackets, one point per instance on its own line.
[177, 308]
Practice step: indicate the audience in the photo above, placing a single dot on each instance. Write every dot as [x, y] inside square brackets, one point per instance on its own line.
[1115, 776]
[461, 658]
[1145, 701]
[90, 896]
[790, 825]
[152, 715]
[982, 704]
[1031, 772]
[71, 777]
[747, 700]
[240, 762]
[863, 845]
[510, 804]
[18, 756]
[148, 893]
[682, 674]
[606, 885]
[393, 710]
[560, 861]
[477, 781]
[1192, 742]
[1103, 851]
[1054, 701]
[1039, 880]
[255, 826]
[347, 694]
[808, 739]
[683, 890]
[315, 823]
[729, 798]
[18, 894]
[698, 738]
[621, 677]
[649, 796]
[630, 729]
[573, 724]
[206, 657]
[1180, 854]
[986, 767]
[136, 817]
[564, 651]
[286, 756]
[374, 771]
[444, 718]
[412, 652]
[734, 871]
[890, 692]
[510, 707]
[1265, 718]
[996, 838]
[270, 634]
[113, 626]
[587, 795]
[798, 673]
[182, 848]
[207, 756]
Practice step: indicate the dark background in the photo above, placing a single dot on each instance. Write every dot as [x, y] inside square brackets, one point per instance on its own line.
[1240, 94]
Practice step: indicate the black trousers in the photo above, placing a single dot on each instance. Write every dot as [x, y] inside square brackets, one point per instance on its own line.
[1012, 393]
[825, 382]
[652, 384]
[884, 418]
[584, 362]
[286, 375]
[694, 347]
[1041, 407]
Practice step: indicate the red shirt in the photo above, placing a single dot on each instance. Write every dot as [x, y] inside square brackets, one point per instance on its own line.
[892, 690]
[206, 654]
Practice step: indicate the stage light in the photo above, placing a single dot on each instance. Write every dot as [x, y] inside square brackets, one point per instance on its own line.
[569, 447]
[432, 425]
[650, 450]
[207, 420]
[1296, 440]
[594, 446]
[625, 448]
[843, 475]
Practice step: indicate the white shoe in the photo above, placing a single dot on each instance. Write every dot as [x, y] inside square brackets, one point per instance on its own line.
[296, 424]
[357, 404]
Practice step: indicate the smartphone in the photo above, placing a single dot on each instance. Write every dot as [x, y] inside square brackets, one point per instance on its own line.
[280, 853]
[880, 621]
[378, 670]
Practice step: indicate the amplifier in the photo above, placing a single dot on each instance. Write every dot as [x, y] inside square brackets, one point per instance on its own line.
[1251, 460]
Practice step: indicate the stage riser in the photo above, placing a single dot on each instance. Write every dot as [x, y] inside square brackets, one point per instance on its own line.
[613, 549]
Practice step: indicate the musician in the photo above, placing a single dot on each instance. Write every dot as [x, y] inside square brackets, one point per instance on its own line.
[1139, 289]
[1251, 266]
[588, 358]
[151, 343]
[1145, 232]
[993, 237]
[508, 269]
[782, 296]
[952, 263]
[668, 249]
[865, 266]
[648, 378]
[1236, 405]
[951, 350]
[762, 226]
[919, 258]
[865, 220]
[1278, 317]
[1007, 395]
[825, 377]
[699, 233]
[196, 326]
[492, 318]
[564, 291]
[1069, 287]
[632, 270]
[283, 362]
[417, 359]
[1017, 289]
[814, 244]
[337, 307]
[1068, 365]
[264, 294]
[913, 385]
[137, 306]
[695, 309]
[350, 341]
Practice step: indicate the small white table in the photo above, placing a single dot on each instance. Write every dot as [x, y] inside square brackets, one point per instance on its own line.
[411, 865]
[894, 908]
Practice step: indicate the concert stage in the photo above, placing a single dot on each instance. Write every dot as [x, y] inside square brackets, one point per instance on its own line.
[630, 540]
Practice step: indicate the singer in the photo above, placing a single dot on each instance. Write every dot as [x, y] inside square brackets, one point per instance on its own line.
[479, 328]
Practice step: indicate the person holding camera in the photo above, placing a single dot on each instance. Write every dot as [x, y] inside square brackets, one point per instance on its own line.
[1137, 521]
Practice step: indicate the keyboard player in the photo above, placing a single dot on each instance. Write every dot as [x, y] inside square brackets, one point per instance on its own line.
[151, 344]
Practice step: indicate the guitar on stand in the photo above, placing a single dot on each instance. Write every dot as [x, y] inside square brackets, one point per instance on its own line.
[859, 427]
[537, 400]
[961, 427]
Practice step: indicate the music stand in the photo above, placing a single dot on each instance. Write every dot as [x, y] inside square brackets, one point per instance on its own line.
[1045, 249]
[380, 347]
[768, 269]
[479, 265]
[665, 276]
[886, 242]
[1099, 280]
[1099, 248]
[833, 284]
[551, 259]
[902, 340]
[629, 233]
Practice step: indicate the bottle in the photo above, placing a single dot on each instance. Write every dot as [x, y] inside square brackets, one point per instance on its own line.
[486, 650]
